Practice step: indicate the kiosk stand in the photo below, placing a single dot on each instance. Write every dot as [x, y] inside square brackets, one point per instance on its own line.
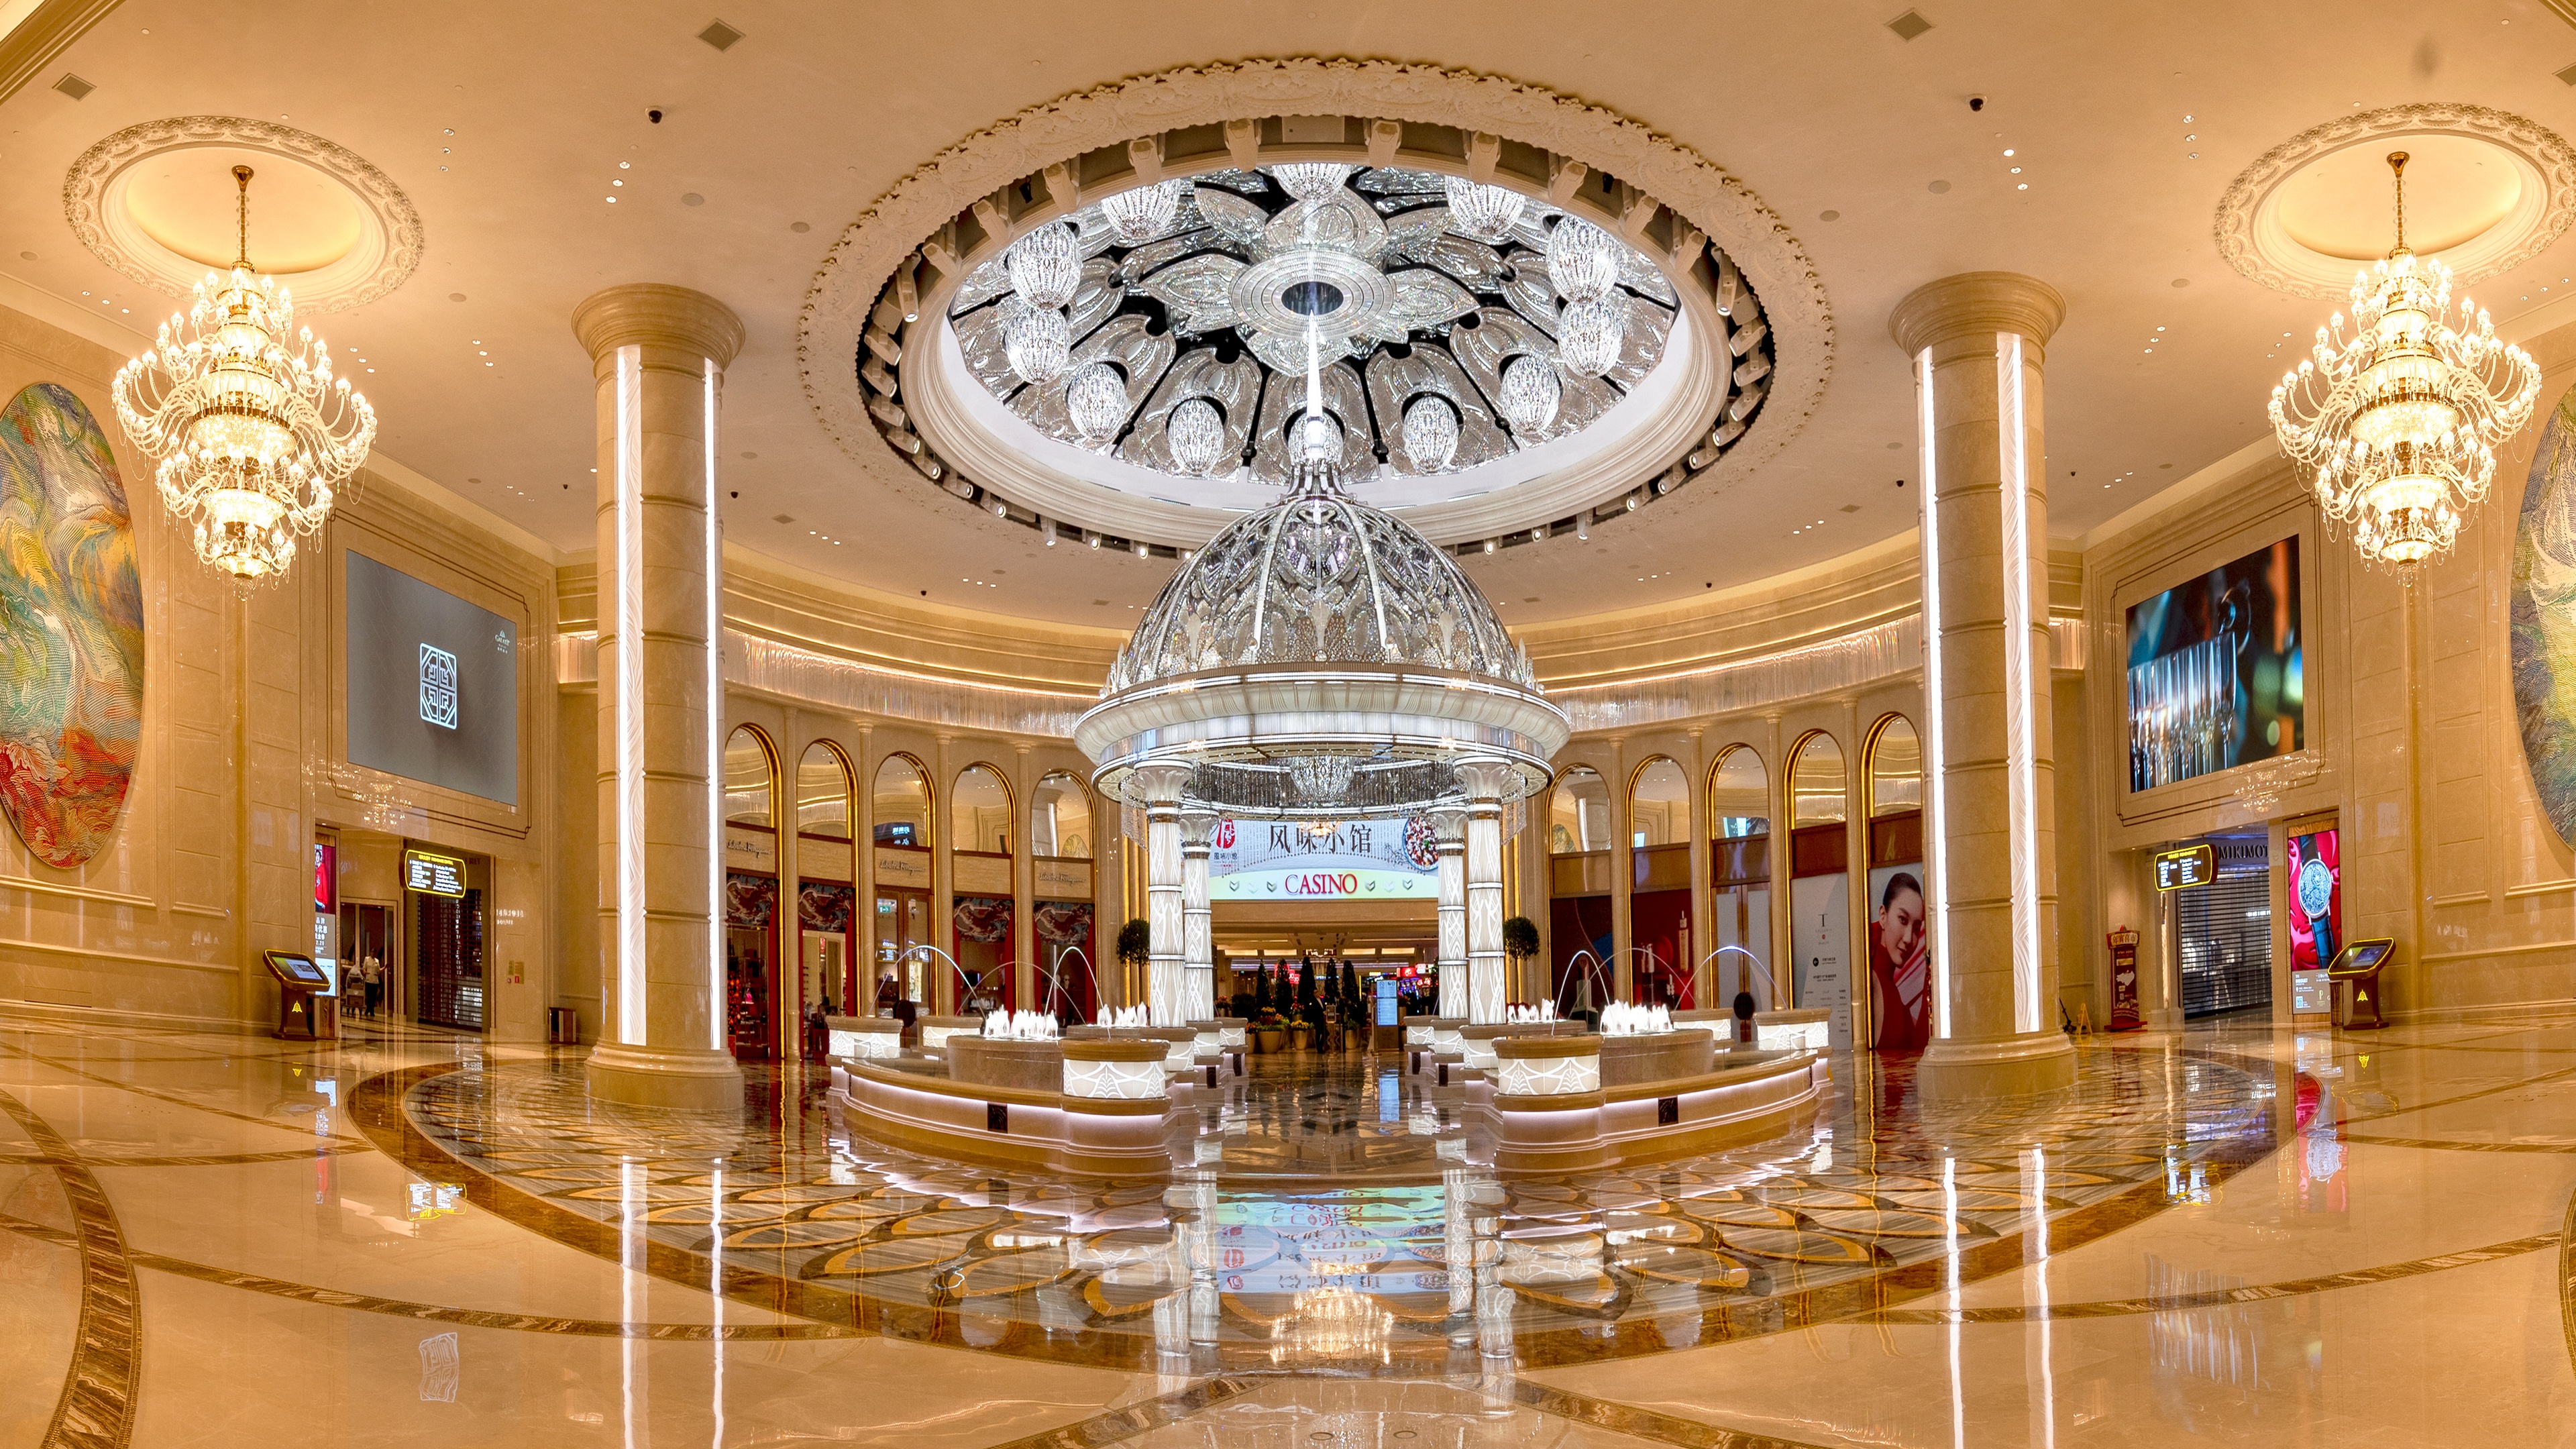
[303, 988]
[2355, 976]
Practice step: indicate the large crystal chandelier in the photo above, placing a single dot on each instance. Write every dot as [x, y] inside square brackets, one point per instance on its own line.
[2397, 423]
[250, 436]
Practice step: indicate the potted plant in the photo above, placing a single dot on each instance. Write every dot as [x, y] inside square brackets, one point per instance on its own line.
[1520, 943]
[1269, 1033]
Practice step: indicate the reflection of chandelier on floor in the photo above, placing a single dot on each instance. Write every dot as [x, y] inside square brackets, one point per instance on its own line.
[251, 437]
[2397, 424]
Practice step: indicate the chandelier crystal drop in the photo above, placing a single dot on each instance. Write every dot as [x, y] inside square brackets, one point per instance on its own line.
[1321, 779]
[1582, 260]
[1311, 180]
[2397, 421]
[1045, 266]
[1485, 213]
[1530, 393]
[251, 436]
[1038, 342]
[1097, 400]
[1589, 335]
[1197, 433]
[1431, 433]
[1144, 213]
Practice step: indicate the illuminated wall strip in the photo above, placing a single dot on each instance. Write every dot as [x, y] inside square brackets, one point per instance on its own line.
[714, 531]
[629, 696]
[1935, 763]
[2021, 769]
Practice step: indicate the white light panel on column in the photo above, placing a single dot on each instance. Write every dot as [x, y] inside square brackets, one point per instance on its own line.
[628, 488]
[715, 732]
[2020, 747]
[1935, 763]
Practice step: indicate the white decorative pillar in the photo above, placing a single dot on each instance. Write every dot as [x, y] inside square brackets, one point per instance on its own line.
[1449, 831]
[658, 355]
[1487, 992]
[1198, 918]
[1989, 796]
[1165, 912]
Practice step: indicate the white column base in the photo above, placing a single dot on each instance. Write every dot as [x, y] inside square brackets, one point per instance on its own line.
[656, 1076]
[2016, 1066]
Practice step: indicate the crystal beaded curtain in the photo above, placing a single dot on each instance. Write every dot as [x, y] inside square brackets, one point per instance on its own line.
[1178, 288]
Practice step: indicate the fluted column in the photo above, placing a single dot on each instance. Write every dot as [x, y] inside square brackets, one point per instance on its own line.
[1449, 832]
[1989, 798]
[1486, 989]
[658, 355]
[1166, 994]
[1198, 918]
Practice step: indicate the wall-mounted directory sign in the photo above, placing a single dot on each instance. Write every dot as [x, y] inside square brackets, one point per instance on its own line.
[2193, 865]
[433, 874]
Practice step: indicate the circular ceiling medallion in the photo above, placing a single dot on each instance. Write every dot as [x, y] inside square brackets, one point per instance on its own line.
[1727, 333]
[156, 202]
[2485, 192]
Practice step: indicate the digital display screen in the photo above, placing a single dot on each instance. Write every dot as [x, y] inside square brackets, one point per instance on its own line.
[2193, 865]
[433, 875]
[2216, 676]
[298, 969]
[1385, 1002]
[433, 684]
[2314, 869]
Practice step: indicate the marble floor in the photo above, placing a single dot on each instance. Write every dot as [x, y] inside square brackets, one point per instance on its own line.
[2229, 1235]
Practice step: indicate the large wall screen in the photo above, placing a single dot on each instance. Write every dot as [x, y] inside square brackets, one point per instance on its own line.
[433, 684]
[2215, 675]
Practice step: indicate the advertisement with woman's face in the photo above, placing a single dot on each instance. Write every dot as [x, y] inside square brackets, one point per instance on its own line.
[1900, 960]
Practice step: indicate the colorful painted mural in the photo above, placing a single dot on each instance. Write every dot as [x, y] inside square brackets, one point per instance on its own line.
[71, 629]
[2544, 618]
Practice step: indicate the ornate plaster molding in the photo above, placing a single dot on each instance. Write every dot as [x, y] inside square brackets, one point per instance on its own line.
[1700, 194]
[2256, 246]
[390, 238]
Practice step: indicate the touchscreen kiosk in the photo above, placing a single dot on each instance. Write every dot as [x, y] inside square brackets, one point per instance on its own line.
[303, 989]
[2355, 974]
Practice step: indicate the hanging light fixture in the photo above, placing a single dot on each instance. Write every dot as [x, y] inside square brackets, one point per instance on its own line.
[1485, 213]
[1530, 392]
[1581, 260]
[1431, 433]
[1037, 341]
[1045, 265]
[1197, 434]
[1310, 180]
[2397, 424]
[251, 437]
[1589, 335]
[1097, 399]
[1144, 213]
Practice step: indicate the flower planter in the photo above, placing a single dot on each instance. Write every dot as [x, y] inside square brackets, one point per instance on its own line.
[1269, 1039]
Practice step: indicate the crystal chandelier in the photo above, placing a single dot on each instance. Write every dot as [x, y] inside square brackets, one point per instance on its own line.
[2397, 423]
[1321, 779]
[1097, 399]
[1486, 213]
[1146, 212]
[250, 437]
[1197, 434]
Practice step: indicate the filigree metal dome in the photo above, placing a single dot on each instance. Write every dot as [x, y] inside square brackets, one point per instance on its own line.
[1319, 578]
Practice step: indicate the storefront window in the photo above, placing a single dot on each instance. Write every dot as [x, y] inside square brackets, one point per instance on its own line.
[899, 821]
[1820, 882]
[752, 978]
[1659, 916]
[826, 900]
[1739, 873]
[1900, 962]
[979, 819]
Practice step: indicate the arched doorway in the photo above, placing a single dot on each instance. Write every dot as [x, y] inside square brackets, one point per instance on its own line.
[753, 1026]
[1739, 876]
[826, 890]
[899, 816]
[1659, 900]
[1579, 902]
[1820, 882]
[1060, 890]
[979, 879]
[1900, 962]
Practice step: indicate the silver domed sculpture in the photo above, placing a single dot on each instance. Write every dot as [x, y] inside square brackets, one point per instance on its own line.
[1320, 630]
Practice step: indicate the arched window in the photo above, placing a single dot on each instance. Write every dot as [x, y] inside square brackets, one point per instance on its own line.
[979, 811]
[1816, 791]
[1895, 768]
[1579, 813]
[750, 779]
[899, 819]
[1060, 818]
[823, 792]
[900, 806]
[979, 876]
[1659, 805]
[1739, 795]
[1820, 882]
[1659, 902]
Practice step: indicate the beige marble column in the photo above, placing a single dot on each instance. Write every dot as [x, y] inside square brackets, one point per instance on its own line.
[1989, 799]
[658, 355]
[1166, 914]
[1198, 918]
[1449, 832]
[1487, 991]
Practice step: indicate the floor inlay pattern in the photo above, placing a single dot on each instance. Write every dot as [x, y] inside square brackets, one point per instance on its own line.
[1225, 1272]
[98, 1400]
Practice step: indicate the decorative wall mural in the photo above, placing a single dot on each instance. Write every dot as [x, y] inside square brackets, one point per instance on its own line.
[2544, 618]
[71, 629]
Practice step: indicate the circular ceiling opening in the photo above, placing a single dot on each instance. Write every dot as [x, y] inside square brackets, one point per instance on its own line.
[2457, 189]
[301, 219]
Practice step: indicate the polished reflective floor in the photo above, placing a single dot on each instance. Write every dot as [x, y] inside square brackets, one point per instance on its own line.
[2230, 1235]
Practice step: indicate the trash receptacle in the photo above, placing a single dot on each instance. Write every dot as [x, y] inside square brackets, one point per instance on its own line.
[563, 1026]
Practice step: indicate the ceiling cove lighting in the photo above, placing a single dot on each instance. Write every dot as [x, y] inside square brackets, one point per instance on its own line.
[250, 436]
[2397, 423]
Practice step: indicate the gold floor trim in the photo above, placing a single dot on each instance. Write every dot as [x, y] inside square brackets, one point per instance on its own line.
[96, 1410]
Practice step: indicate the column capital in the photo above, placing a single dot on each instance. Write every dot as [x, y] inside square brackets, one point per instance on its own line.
[1974, 302]
[1448, 824]
[1197, 826]
[1162, 782]
[1485, 780]
[657, 314]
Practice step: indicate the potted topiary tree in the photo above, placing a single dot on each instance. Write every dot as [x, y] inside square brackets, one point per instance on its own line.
[1520, 942]
[1136, 949]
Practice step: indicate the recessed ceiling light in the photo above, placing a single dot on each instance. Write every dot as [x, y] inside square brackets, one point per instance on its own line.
[622, 165]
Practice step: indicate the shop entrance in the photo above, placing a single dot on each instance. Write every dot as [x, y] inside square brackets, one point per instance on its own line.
[369, 965]
[751, 965]
[2223, 930]
[903, 922]
[444, 896]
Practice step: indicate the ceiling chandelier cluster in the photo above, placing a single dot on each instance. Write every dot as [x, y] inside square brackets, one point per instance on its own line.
[2397, 422]
[251, 436]
[1166, 325]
